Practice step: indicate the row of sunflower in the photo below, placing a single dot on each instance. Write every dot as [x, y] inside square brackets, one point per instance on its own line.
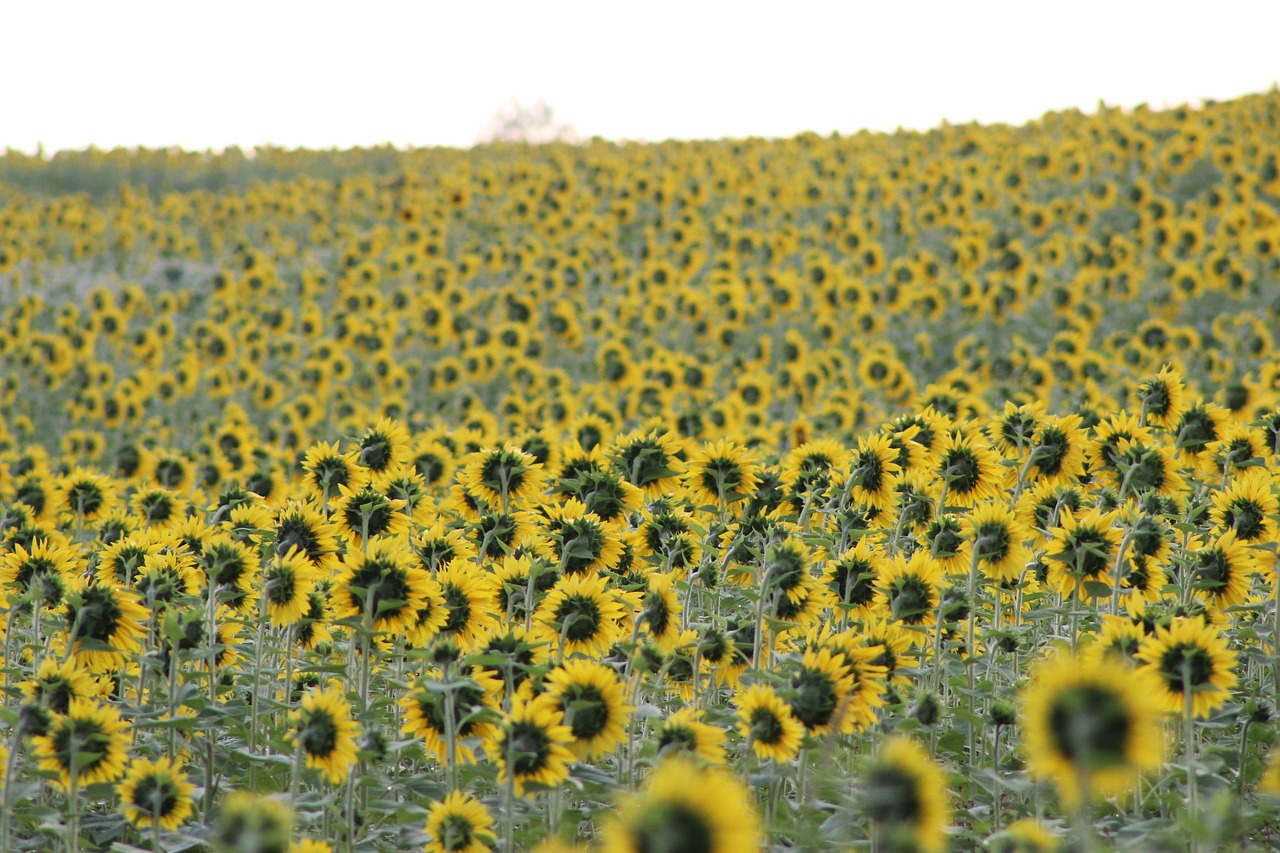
[912, 491]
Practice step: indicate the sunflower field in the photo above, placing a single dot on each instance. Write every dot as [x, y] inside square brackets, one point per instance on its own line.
[910, 492]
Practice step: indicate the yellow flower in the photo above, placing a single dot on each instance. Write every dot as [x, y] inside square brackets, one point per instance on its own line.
[768, 725]
[1090, 726]
[685, 807]
[89, 742]
[155, 791]
[324, 731]
[1189, 662]
[905, 796]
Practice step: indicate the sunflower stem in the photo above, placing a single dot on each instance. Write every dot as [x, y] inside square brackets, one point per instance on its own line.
[1189, 747]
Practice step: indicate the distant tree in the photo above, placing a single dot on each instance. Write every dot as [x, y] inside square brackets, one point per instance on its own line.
[536, 123]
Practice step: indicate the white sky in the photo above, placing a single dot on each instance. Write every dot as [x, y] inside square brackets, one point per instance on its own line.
[319, 74]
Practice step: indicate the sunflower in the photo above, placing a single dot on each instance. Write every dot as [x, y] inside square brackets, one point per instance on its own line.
[767, 723]
[155, 791]
[436, 546]
[579, 616]
[1163, 398]
[683, 732]
[1082, 553]
[90, 741]
[1198, 426]
[580, 542]
[165, 579]
[251, 821]
[1090, 726]
[685, 807]
[819, 689]
[946, 544]
[1190, 662]
[459, 824]
[1058, 452]
[84, 495]
[287, 582]
[474, 706]
[659, 611]
[325, 732]
[650, 460]
[1220, 570]
[591, 699]
[1247, 506]
[300, 525]
[110, 617]
[233, 568]
[722, 473]
[531, 744]
[872, 471]
[56, 685]
[813, 467]
[503, 475]
[470, 603]
[364, 514]
[382, 585]
[851, 576]
[908, 588]
[997, 538]
[44, 571]
[969, 470]
[326, 468]
[383, 447]
[905, 797]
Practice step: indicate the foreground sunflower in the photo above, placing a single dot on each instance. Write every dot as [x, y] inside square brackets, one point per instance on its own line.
[155, 791]
[249, 821]
[1191, 663]
[905, 798]
[685, 807]
[459, 824]
[531, 744]
[593, 703]
[1090, 726]
[325, 732]
[88, 745]
[768, 724]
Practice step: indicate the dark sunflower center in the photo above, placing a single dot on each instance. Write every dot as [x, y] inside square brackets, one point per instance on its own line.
[910, 600]
[296, 533]
[1246, 517]
[1051, 451]
[1213, 570]
[892, 797]
[656, 613]
[81, 741]
[455, 832]
[1090, 727]
[1086, 552]
[579, 617]
[98, 614]
[376, 452]
[319, 735]
[155, 796]
[527, 748]
[459, 607]
[585, 711]
[992, 542]
[854, 582]
[765, 726]
[85, 498]
[1185, 667]
[673, 828]
[281, 586]
[962, 471]
[815, 698]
